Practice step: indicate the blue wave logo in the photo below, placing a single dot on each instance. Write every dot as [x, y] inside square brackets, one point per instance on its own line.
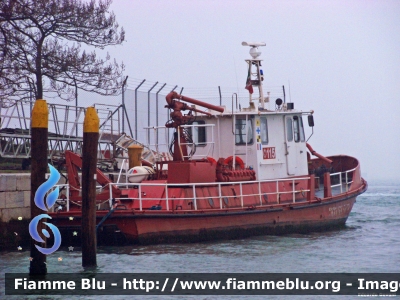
[45, 187]
[35, 235]
[50, 200]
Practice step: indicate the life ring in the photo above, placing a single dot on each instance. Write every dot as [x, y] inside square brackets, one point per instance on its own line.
[238, 161]
[211, 160]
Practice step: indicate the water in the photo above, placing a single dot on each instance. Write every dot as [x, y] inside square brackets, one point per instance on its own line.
[369, 243]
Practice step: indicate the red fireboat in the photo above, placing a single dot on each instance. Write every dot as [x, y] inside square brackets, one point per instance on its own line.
[234, 173]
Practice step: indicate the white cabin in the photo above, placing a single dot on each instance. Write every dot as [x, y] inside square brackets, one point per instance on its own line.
[272, 143]
[269, 141]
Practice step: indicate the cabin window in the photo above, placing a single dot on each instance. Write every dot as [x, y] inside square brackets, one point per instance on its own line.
[264, 130]
[295, 129]
[289, 129]
[198, 133]
[240, 132]
[302, 136]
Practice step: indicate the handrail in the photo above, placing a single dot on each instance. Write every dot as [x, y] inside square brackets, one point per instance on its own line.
[66, 199]
[341, 179]
[156, 144]
[209, 143]
[344, 175]
[195, 198]
[206, 143]
[123, 167]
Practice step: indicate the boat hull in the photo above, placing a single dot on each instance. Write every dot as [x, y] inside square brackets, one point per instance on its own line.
[246, 223]
[153, 227]
[166, 213]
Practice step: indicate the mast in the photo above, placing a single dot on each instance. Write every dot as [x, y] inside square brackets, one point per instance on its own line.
[255, 76]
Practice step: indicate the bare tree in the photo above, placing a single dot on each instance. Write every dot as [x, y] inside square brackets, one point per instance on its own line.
[41, 48]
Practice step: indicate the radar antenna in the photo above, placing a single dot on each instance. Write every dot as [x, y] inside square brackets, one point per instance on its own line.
[254, 79]
[254, 48]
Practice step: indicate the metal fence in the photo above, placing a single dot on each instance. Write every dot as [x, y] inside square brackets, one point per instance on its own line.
[141, 104]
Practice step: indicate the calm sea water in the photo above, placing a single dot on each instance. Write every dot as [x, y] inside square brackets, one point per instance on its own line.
[370, 242]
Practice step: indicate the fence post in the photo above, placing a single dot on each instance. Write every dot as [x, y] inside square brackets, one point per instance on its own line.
[136, 114]
[157, 110]
[148, 110]
[123, 103]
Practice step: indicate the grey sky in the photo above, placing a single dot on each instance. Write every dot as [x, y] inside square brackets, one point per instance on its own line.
[342, 59]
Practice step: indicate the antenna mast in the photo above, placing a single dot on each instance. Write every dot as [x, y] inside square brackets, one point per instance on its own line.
[255, 78]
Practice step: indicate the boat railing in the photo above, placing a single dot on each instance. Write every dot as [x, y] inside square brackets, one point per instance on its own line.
[63, 196]
[124, 169]
[64, 201]
[159, 147]
[223, 199]
[340, 182]
[207, 145]
[342, 179]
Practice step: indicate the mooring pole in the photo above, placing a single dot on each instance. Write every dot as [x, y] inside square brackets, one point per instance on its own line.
[89, 165]
[39, 130]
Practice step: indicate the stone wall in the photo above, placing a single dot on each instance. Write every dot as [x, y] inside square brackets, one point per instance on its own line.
[15, 196]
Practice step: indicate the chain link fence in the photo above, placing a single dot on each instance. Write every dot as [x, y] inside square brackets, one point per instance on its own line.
[140, 105]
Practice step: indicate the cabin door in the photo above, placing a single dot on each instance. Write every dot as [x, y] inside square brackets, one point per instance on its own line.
[291, 146]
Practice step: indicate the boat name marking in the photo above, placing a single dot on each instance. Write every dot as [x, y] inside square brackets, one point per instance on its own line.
[269, 153]
[339, 210]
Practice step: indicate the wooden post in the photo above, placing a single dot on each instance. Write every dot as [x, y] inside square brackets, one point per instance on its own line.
[89, 165]
[39, 130]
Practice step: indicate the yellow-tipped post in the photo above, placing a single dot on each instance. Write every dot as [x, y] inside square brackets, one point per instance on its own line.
[39, 131]
[89, 165]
